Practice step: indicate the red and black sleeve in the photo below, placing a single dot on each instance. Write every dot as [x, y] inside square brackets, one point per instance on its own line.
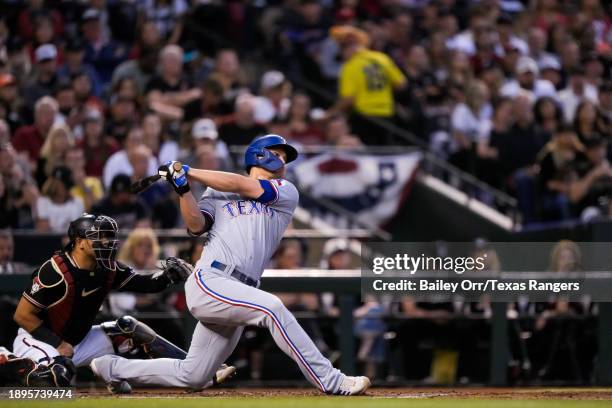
[47, 287]
[126, 280]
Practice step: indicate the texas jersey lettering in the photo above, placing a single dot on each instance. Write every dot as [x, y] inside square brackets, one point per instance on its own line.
[247, 207]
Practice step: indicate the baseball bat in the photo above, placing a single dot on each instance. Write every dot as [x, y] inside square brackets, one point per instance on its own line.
[144, 183]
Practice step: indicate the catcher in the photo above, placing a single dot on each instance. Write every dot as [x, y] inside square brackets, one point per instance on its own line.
[57, 310]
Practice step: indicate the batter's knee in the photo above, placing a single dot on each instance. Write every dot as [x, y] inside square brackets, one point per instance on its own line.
[280, 311]
[276, 306]
[195, 383]
[190, 376]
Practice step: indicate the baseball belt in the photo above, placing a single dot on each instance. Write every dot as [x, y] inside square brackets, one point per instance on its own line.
[236, 274]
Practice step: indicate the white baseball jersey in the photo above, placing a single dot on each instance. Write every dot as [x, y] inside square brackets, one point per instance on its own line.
[245, 232]
[244, 235]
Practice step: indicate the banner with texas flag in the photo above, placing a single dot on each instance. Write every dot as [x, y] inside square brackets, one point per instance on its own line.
[371, 187]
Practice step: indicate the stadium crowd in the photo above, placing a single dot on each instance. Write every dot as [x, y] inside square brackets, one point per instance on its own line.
[96, 94]
[518, 94]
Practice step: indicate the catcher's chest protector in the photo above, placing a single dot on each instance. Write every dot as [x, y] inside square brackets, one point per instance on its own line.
[73, 315]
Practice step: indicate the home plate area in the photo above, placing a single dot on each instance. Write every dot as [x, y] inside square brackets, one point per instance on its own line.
[406, 393]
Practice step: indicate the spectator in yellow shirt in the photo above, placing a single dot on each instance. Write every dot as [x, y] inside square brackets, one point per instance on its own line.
[367, 82]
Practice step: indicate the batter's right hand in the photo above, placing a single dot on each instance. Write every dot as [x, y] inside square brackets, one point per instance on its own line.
[175, 173]
[65, 349]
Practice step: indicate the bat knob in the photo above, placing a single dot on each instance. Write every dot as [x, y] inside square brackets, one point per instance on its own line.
[177, 166]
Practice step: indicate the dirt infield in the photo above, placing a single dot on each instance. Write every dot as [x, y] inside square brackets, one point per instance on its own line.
[376, 392]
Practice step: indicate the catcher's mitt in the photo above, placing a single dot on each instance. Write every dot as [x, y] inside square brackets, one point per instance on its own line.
[14, 370]
[23, 371]
[176, 270]
[58, 373]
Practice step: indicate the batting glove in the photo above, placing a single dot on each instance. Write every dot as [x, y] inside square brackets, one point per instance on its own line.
[176, 175]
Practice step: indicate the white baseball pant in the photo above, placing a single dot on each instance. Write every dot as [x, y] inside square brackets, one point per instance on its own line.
[95, 344]
[223, 307]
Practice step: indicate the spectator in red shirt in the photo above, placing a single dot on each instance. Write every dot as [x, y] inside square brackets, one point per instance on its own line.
[26, 20]
[485, 40]
[43, 34]
[29, 139]
[547, 15]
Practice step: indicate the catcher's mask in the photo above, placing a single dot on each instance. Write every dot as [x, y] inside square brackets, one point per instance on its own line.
[103, 237]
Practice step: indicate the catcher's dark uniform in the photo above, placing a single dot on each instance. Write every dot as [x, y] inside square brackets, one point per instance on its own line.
[70, 298]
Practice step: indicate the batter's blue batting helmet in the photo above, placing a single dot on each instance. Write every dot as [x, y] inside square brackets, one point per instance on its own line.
[258, 155]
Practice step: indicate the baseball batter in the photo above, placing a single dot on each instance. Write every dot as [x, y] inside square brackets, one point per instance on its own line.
[246, 217]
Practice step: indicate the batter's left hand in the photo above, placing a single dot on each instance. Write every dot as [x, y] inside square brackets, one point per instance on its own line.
[175, 173]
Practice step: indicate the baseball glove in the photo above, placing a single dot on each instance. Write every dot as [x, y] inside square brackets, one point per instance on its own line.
[58, 373]
[176, 270]
[14, 370]
[24, 371]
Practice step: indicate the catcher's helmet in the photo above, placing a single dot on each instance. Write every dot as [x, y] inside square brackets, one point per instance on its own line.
[102, 231]
[78, 229]
[258, 155]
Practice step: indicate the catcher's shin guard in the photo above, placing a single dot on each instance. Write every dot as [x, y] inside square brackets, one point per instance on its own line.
[129, 335]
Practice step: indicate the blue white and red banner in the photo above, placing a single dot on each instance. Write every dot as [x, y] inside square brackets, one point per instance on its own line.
[372, 187]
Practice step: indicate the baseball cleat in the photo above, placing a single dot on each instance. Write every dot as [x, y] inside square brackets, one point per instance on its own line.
[114, 387]
[224, 373]
[119, 387]
[353, 386]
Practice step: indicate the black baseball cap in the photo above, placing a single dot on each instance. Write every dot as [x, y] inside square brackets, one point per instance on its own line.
[75, 44]
[63, 84]
[120, 184]
[14, 44]
[504, 19]
[63, 174]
